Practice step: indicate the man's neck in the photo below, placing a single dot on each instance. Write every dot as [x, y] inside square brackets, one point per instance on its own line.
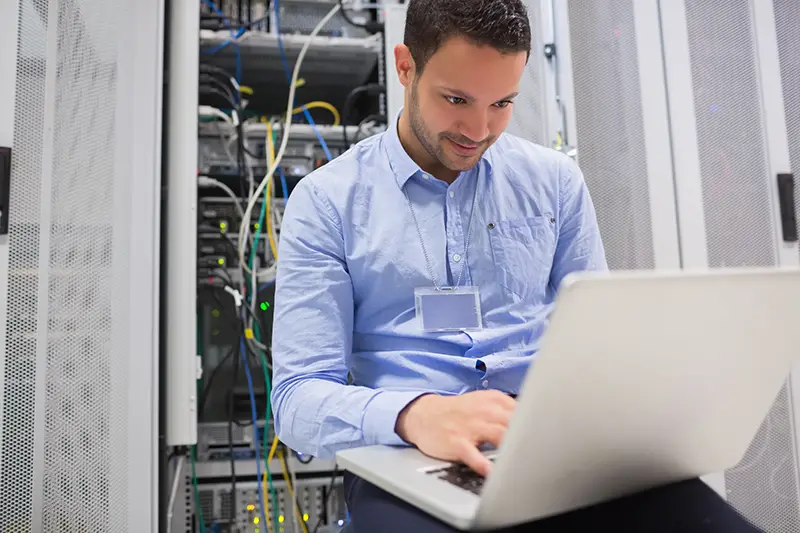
[420, 155]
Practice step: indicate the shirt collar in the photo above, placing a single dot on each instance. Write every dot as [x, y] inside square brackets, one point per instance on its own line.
[403, 167]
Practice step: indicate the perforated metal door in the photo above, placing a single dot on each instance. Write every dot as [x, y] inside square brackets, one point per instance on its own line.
[610, 131]
[64, 447]
[737, 202]
[787, 19]
[19, 381]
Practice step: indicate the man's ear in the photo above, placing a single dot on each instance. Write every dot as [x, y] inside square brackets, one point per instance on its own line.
[404, 64]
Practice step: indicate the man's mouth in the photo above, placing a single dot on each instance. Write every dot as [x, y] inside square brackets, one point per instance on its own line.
[464, 149]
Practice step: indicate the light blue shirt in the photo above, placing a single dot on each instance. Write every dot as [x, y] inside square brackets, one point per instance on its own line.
[348, 352]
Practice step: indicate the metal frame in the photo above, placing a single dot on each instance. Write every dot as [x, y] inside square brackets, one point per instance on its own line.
[48, 149]
[686, 155]
[655, 116]
[181, 224]
[139, 157]
[9, 29]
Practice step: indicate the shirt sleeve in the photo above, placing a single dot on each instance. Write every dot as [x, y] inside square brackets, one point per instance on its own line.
[316, 411]
[579, 247]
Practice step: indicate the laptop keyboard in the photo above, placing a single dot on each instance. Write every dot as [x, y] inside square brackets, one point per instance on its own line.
[461, 476]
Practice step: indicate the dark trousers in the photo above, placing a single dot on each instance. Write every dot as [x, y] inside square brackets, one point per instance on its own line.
[686, 507]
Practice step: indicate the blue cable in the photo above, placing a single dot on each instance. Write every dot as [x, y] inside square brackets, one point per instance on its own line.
[254, 417]
[317, 133]
[264, 286]
[284, 186]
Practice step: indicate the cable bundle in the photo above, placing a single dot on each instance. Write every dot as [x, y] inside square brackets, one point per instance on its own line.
[250, 350]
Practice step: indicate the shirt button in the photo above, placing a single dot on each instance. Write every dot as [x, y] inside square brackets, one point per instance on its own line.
[452, 193]
[427, 177]
[456, 258]
[485, 383]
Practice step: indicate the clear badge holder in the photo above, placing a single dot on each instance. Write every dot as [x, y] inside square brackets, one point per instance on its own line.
[448, 308]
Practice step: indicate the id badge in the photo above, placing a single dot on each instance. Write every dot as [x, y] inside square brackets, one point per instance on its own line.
[448, 308]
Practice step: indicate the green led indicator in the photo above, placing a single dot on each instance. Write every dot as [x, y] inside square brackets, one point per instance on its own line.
[264, 306]
[221, 261]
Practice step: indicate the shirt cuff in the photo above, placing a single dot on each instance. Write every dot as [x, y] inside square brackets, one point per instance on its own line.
[380, 416]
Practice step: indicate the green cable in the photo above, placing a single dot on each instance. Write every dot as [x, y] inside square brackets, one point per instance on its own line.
[198, 507]
[267, 386]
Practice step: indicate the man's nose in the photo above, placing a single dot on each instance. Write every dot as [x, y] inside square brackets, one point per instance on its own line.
[476, 127]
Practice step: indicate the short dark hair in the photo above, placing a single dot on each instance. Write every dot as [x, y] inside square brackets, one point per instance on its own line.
[501, 24]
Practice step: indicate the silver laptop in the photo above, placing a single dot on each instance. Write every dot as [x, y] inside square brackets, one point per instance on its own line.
[642, 379]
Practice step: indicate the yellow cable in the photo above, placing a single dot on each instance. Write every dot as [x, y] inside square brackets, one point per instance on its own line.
[272, 450]
[268, 195]
[291, 491]
[337, 119]
[269, 460]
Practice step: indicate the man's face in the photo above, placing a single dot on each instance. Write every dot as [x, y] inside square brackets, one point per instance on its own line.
[461, 102]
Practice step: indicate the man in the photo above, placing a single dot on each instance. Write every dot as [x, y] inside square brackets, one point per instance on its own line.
[443, 198]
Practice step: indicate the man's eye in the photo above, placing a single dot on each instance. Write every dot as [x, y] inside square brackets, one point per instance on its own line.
[504, 103]
[455, 100]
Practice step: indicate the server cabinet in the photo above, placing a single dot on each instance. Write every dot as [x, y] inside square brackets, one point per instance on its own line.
[686, 116]
[731, 151]
[79, 350]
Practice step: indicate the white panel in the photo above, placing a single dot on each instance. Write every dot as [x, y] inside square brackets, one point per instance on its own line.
[686, 154]
[394, 31]
[139, 111]
[181, 219]
[655, 119]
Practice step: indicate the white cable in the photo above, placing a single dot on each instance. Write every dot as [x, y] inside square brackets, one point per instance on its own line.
[211, 112]
[285, 137]
[205, 181]
[174, 492]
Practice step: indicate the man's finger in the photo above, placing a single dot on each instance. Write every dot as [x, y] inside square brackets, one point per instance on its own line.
[496, 414]
[473, 458]
[491, 433]
[507, 402]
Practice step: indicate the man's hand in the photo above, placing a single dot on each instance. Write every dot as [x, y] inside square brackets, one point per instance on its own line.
[452, 427]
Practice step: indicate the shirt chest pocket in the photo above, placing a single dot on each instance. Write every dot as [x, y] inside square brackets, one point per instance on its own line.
[523, 252]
